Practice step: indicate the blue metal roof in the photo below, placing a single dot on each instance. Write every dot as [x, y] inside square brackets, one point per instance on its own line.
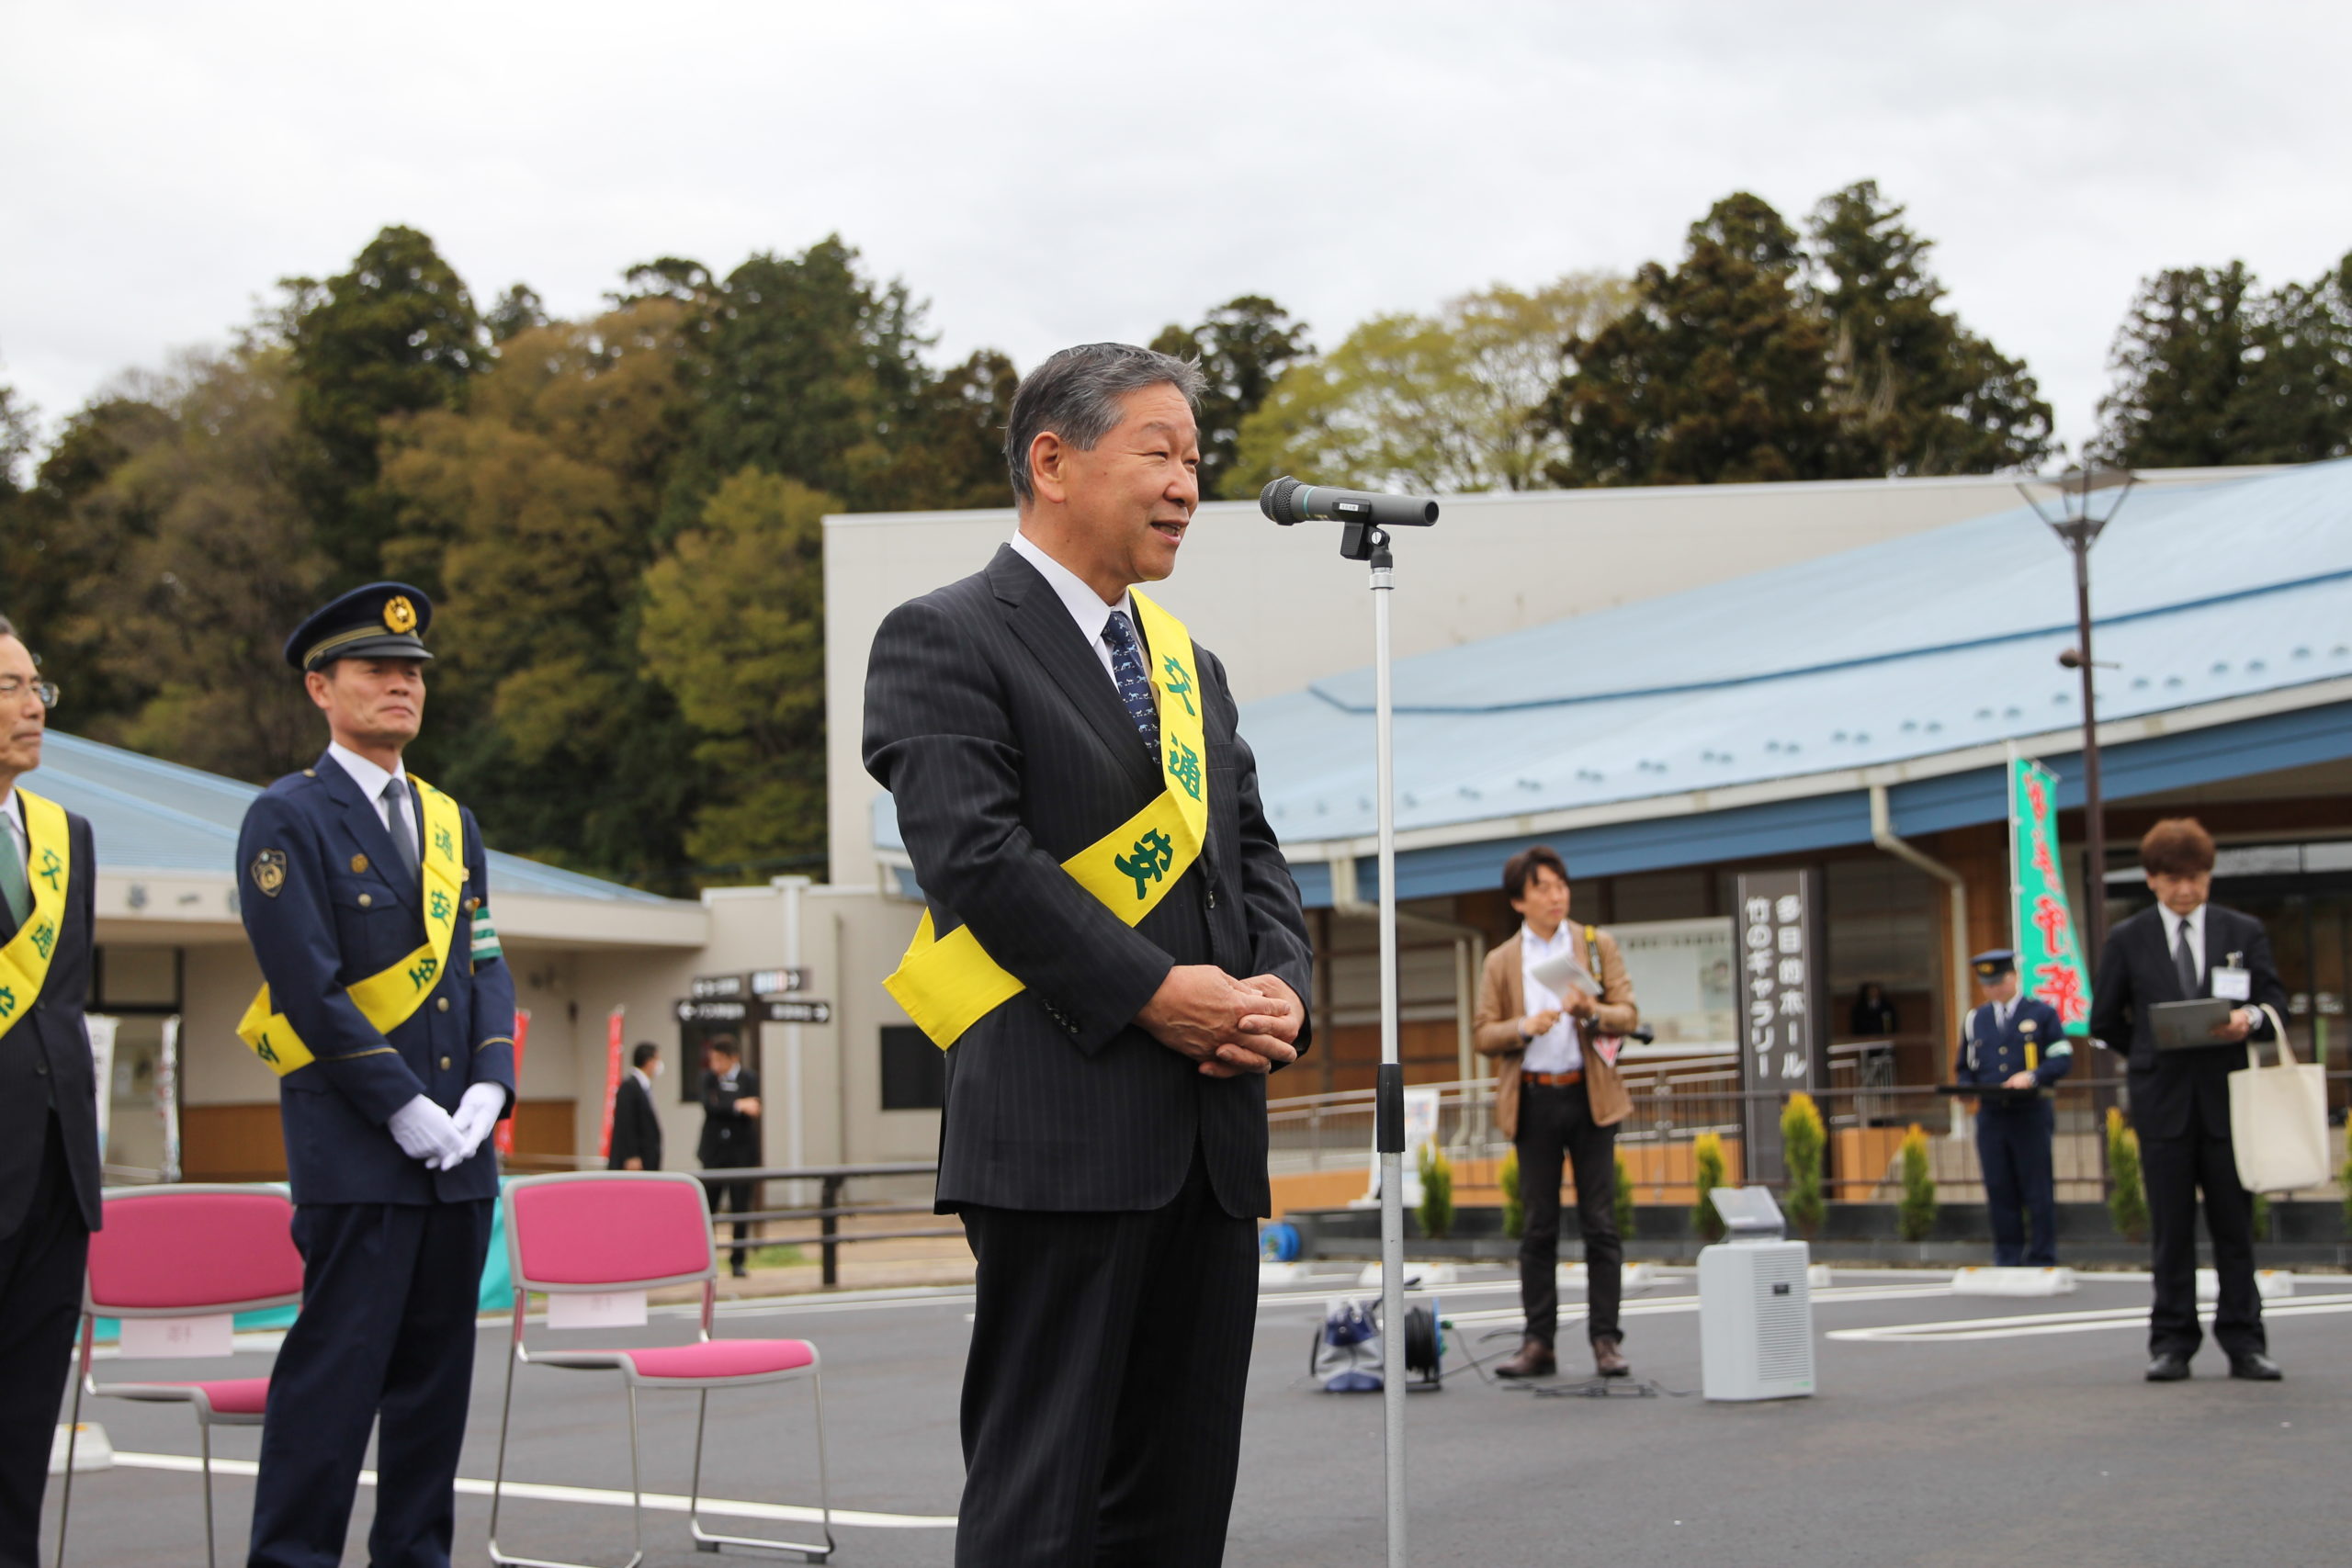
[1899, 652]
[159, 817]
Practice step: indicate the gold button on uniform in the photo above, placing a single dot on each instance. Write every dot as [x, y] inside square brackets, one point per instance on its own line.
[441, 1004]
[366, 899]
[444, 1064]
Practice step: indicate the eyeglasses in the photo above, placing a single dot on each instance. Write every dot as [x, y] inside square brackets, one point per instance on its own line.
[12, 689]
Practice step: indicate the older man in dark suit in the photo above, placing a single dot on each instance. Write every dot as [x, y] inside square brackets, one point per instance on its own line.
[2184, 948]
[49, 1108]
[1113, 948]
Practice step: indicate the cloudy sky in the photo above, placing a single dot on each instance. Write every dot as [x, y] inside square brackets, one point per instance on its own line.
[1046, 172]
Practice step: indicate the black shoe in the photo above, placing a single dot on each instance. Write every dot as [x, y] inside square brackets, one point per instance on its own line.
[740, 1272]
[2255, 1367]
[2170, 1367]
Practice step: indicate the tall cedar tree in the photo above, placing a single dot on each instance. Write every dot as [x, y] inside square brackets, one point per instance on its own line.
[1719, 374]
[2209, 369]
[1242, 347]
[1917, 392]
[396, 334]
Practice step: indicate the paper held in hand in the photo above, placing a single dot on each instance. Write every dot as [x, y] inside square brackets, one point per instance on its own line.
[1557, 975]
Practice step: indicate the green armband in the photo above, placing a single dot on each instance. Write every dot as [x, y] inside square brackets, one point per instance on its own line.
[486, 948]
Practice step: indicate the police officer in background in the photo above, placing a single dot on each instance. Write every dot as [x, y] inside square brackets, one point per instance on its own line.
[388, 1013]
[48, 1108]
[2018, 1044]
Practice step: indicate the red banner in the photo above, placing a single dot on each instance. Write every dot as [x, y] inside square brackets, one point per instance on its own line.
[505, 1137]
[612, 1078]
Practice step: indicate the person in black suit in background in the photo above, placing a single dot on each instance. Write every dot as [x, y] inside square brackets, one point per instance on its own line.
[2182, 949]
[48, 1107]
[730, 1132]
[1104, 1137]
[637, 1129]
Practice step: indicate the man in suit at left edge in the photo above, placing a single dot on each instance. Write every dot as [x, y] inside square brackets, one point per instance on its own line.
[48, 1111]
[388, 1013]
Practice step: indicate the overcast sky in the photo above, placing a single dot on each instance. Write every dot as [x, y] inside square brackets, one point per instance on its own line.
[1046, 174]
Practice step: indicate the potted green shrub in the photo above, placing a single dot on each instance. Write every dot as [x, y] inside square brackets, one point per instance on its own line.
[1707, 1167]
[1514, 1206]
[1624, 1199]
[1437, 1193]
[2127, 1198]
[1916, 1214]
[1802, 1139]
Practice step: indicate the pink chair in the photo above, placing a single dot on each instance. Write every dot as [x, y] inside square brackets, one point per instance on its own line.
[606, 1231]
[178, 1252]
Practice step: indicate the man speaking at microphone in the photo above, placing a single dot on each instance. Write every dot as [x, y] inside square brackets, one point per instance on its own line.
[1115, 952]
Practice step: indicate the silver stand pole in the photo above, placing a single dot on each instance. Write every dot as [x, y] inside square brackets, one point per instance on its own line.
[1389, 1114]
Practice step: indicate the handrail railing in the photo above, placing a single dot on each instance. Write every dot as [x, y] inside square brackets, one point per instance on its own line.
[829, 1211]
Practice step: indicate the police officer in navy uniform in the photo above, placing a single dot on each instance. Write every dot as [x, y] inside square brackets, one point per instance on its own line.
[344, 867]
[2015, 1042]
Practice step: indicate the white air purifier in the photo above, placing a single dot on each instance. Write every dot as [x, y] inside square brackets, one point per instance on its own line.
[1755, 1304]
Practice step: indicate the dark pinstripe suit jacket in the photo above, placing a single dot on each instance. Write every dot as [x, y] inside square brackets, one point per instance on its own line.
[1006, 749]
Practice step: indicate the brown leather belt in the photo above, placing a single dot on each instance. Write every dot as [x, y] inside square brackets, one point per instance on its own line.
[1554, 1080]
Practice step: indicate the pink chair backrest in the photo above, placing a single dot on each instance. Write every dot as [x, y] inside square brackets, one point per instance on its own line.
[613, 1228]
[175, 1249]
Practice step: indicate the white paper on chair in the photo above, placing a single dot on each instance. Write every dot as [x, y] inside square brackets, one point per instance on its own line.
[599, 1309]
[215, 1334]
[1557, 975]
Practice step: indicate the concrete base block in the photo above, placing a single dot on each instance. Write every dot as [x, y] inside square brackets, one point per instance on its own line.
[2271, 1284]
[2013, 1283]
[92, 1452]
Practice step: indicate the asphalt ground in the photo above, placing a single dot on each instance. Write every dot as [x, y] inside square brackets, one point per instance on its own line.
[1947, 1430]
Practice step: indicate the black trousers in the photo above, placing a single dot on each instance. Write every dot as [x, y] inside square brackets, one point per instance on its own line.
[386, 1339]
[737, 1196]
[1555, 1127]
[2013, 1148]
[2175, 1170]
[40, 1303]
[1103, 1397]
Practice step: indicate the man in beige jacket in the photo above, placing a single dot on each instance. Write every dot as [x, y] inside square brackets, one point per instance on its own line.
[1559, 1101]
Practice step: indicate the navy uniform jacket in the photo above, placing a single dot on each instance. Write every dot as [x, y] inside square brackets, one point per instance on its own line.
[1990, 1055]
[329, 926]
[729, 1138]
[45, 1058]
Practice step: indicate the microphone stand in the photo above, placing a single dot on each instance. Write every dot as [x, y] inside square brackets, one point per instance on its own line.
[1389, 1118]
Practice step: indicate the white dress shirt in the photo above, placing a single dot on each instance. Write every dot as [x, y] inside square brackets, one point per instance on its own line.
[643, 1082]
[2195, 921]
[1558, 1049]
[371, 781]
[1085, 605]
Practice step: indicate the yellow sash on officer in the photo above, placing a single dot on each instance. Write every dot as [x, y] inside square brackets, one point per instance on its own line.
[386, 1000]
[947, 986]
[49, 869]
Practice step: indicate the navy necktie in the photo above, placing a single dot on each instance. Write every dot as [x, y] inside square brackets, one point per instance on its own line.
[2184, 961]
[396, 822]
[1134, 686]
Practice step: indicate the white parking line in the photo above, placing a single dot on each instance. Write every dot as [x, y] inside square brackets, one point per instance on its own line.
[1957, 1330]
[1667, 1305]
[539, 1492]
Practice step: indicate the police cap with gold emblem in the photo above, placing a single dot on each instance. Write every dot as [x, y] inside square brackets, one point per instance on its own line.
[383, 620]
[1990, 966]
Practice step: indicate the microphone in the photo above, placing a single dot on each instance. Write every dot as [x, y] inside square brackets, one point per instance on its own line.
[1287, 501]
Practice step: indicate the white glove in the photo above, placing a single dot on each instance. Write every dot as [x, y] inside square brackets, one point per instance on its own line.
[477, 1114]
[425, 1131]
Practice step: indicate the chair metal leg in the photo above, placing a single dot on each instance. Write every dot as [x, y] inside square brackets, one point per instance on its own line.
[73, 1439]
[204, 1446]
[498, 1483]
[708, 1540]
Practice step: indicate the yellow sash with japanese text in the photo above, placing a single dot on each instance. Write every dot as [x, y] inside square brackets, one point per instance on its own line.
[387, 1000]
[49, 869]
[949, 986]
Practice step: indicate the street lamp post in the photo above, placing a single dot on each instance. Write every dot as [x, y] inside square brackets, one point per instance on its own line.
[2086, 500]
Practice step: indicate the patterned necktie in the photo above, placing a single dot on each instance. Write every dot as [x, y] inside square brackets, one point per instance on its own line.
[1134, 686]
[2184, 962]
[14, 889]
[396, 821]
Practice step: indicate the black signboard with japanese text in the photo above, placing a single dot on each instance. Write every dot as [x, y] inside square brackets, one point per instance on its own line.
[1783, 1005]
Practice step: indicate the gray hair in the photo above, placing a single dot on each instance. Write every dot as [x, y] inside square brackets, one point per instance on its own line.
[1076, 395]
[8, 627]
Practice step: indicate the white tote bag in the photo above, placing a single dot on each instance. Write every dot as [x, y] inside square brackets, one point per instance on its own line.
[2278, 1121]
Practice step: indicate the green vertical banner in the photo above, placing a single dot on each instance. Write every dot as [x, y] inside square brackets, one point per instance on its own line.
[2050, 958]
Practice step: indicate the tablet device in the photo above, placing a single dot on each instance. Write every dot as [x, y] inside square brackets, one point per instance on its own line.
[2183, 1025]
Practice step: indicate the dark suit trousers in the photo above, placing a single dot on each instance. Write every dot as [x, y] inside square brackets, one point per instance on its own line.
[1555, 1127]
[2013, 1150]
[2174, 1169]
[389, 1297]
[40, 1303]
[1103, 1397]
[735, 1195]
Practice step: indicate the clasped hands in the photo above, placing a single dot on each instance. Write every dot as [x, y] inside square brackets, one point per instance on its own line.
[1230, 1027]
[443, 1141]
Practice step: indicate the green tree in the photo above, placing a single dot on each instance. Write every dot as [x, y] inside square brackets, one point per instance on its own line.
[1719, 374]
[531, 517]
[1443, 402]
[953, 453]
[516, 311]
[733, 628]
[1919, 392]
[396, 334]
[1242, 347]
